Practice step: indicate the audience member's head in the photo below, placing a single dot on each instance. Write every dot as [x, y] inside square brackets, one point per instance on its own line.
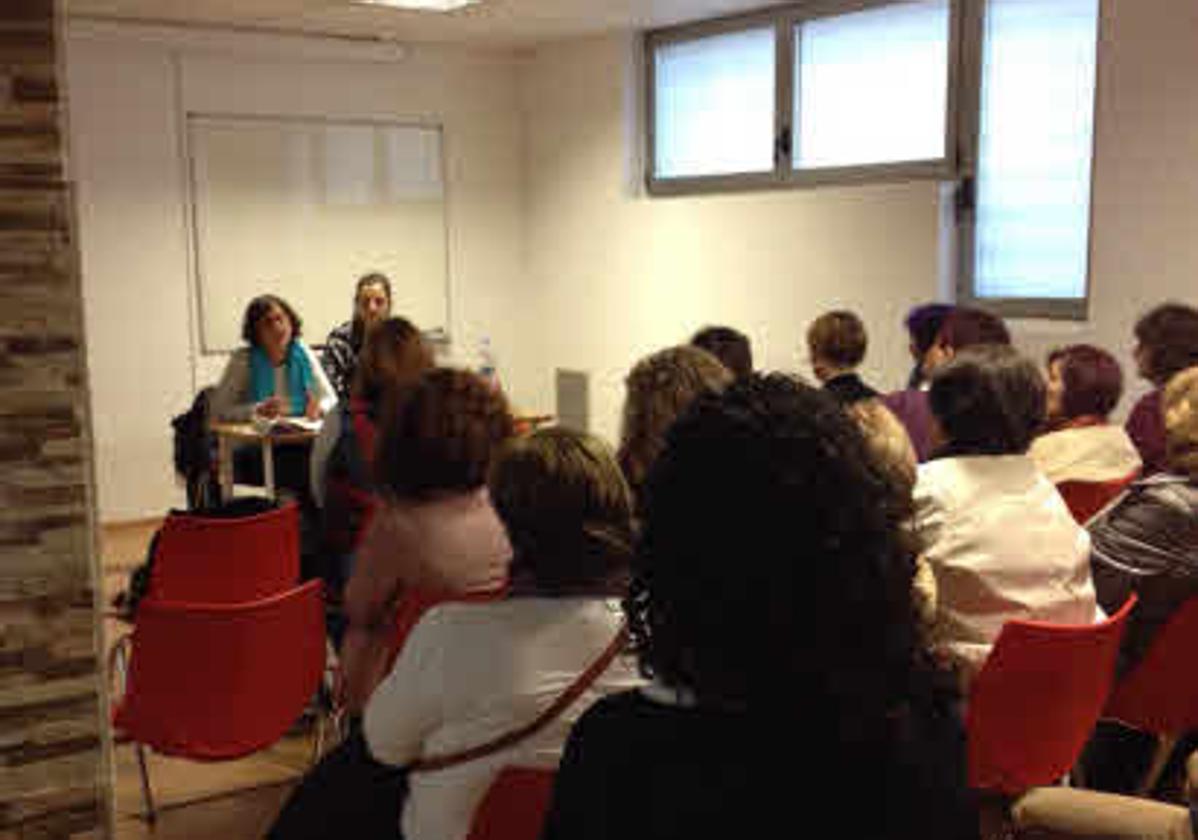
[439, 436]
[923, 325]
[659, 387]
[774, 571]
[1083, 382]
[987, 400]
[966, 326]
[731, 347]
[568, 513]
[372, 302]
[836, 342]
[394, 354]
[888, 441]
[270, 324]
[1166, 342]
[1180, 408]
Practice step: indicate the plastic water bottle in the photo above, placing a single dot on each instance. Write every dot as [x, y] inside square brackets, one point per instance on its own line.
[487, 367]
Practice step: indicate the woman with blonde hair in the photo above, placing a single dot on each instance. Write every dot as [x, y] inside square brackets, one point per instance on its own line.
[659, 389]
[1147, 540]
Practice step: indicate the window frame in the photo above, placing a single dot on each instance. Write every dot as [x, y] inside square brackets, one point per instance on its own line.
[784, 19]
[958, 166]
[965, 209]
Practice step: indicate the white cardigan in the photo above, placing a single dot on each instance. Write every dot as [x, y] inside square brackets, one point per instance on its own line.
[1001, 544]
[469, 673]
[1088, 453]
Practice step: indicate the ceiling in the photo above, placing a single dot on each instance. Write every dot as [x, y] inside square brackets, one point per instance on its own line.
[495, 23]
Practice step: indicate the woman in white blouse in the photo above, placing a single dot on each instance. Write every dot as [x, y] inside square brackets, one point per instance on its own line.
[998, 538]
[472, 672]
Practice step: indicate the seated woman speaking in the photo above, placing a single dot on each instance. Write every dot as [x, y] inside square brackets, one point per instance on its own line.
[276, 376]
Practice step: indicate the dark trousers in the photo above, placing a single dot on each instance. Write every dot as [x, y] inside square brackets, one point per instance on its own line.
[348, 794]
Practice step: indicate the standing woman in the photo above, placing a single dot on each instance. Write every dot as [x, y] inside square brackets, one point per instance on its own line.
[276, 376]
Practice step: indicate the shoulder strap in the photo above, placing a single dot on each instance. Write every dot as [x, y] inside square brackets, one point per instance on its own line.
[515, 736]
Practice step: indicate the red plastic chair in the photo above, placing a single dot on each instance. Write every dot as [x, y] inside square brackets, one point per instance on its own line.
[515, 805]
[1036, 699]
[214, 682]
[202, 560]
[1160, 693]
[1086, 498]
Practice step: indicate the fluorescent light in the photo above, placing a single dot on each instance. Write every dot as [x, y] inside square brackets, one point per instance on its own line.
[420, 5]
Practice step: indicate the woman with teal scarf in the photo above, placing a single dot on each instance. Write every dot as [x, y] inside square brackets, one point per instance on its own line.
[275, 376]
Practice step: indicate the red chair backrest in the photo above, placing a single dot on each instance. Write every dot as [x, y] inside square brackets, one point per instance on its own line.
[203, 560]
[1086, 498]
[1160, 693]
[219, 681]
[515, 805]
[1036, 699]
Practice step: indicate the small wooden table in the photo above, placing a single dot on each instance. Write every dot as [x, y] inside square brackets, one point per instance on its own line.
[228, 435]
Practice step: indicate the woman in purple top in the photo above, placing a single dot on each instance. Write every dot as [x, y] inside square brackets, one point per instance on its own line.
[963, 327]
[1166, 343]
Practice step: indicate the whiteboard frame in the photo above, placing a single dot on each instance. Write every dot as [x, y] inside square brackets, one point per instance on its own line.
[191, 190]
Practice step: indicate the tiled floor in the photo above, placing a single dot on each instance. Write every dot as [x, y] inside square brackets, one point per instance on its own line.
[226, 800]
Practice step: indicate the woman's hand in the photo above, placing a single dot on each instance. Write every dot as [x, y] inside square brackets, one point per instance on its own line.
[312, 410]
[270, 407]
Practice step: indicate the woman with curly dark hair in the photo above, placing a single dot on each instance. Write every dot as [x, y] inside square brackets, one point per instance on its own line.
[771, 606]
[1166, 344]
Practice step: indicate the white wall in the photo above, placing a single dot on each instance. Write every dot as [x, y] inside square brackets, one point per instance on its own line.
[125, 103]
[616, 274]
[554, 249]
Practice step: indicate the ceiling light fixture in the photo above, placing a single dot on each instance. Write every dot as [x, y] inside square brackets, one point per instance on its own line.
[419, 5]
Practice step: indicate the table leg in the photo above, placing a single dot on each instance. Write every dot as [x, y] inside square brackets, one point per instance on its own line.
[268, 467]
[224, 468]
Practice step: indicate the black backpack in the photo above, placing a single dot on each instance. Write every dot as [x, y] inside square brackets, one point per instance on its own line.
[194, 453]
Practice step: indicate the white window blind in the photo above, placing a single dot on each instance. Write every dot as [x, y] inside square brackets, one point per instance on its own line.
[714, 105]
[1035, 149]
[872, 86]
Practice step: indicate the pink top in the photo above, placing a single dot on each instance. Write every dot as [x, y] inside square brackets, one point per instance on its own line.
[453, 545]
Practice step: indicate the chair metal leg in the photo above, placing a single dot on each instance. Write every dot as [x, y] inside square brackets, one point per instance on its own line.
[147, 795]
[319, 738]
[1164, 749]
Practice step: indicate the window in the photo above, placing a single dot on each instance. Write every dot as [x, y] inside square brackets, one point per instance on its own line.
[789, 98]
[995, 94]
[872, 86]
[1028, 250]
[715, 105]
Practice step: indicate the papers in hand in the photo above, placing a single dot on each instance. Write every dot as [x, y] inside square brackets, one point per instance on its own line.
[285, 425]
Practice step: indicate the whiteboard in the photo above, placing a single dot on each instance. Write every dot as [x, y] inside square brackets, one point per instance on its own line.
[303, 207]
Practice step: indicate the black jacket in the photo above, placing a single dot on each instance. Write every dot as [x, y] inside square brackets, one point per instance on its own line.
[1147, 542]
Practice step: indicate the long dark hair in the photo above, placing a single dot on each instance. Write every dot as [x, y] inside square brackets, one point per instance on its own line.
[774, 571]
